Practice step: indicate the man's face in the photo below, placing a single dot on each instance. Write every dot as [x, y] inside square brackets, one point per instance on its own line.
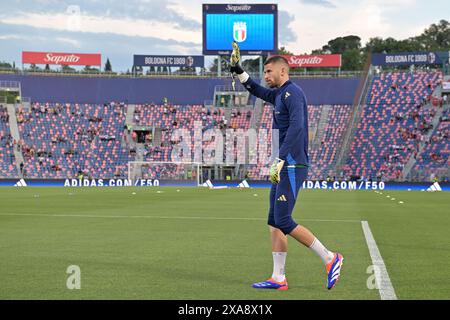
[272, 74]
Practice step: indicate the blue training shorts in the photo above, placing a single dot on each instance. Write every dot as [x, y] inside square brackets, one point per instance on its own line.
[283, 197]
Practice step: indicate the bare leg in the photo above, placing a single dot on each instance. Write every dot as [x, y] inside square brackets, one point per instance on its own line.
[279, 240]
[305, 237]
[302, 235]
[279, 253]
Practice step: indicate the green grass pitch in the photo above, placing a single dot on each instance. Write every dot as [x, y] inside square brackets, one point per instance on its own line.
[196, 243]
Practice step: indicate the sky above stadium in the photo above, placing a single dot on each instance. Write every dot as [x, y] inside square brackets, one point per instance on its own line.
[119, 29]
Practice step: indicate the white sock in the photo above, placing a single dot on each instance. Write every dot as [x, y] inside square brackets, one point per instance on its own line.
[321, 251]
[279, 261]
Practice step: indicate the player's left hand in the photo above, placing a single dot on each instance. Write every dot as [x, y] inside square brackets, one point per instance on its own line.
[235, 54]
[234, 59]
[275, 169]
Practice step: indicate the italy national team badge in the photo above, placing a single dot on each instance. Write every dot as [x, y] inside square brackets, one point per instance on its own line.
[240, 31]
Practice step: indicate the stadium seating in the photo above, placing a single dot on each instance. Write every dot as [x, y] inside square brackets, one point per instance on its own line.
[323, 157]
[163, 117]
[390, 124]
[8, 167]
[59, 140]
[434, 159]
[170, 118]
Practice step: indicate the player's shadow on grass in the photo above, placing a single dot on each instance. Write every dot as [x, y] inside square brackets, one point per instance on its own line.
[215, 277]
[203, 275]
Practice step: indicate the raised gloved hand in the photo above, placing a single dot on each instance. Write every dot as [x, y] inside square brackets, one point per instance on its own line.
[234, 59]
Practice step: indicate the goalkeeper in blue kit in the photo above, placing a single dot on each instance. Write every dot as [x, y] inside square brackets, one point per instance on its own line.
[289, 170]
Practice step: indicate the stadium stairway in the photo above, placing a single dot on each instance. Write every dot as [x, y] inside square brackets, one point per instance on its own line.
[129, 118]
[16, 136]
[360, 97]
[323, 122]
[412, 160]
[130, 114]
[157, 137]
[140, 149]
[227, 114]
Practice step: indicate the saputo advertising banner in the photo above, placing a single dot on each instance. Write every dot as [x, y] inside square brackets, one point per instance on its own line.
[310, 61]
[60, 58]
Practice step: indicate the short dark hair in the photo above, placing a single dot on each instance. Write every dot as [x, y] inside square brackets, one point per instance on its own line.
[275, 59]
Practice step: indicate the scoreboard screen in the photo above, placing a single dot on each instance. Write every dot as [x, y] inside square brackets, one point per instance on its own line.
[253, 26]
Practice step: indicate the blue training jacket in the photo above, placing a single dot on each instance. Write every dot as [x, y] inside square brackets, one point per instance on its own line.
[290, 117]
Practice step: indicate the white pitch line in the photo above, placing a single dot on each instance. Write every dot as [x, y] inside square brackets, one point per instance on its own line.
[159, 217]
[330, 220]
[385, 287]
[125, 217]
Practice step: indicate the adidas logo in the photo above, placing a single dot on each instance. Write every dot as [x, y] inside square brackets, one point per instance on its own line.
[208, 184]
[286, 95]
[21, 183]
[282, 198]
[434, 187]
[244, 184]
